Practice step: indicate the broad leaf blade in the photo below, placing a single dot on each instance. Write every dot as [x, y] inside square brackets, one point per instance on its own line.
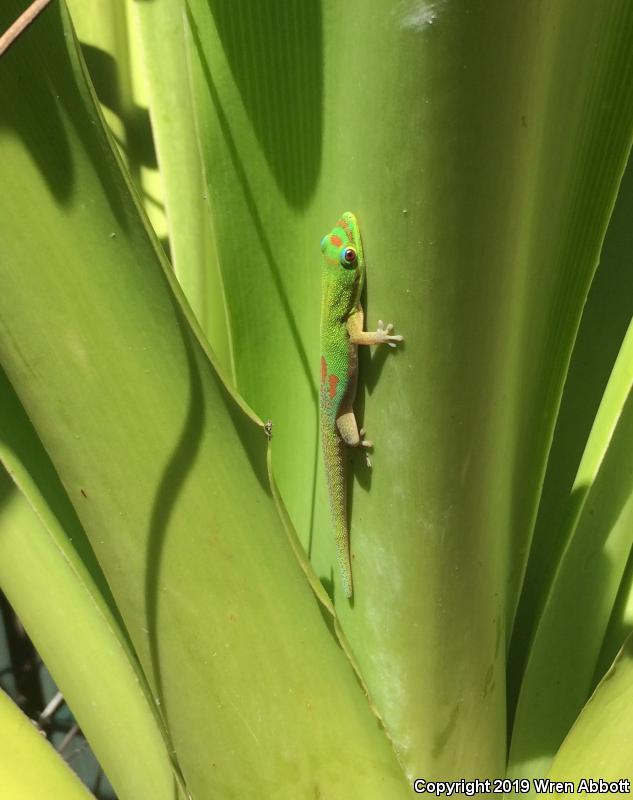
[29, 767]
[112, 55]
[606, 317]
[162, 30]
[445, 128]
[600, 745]
[177, 504]
[60, 608]
[599, 536]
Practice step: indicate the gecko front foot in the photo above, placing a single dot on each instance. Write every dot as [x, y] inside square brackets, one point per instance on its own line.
[385, 336]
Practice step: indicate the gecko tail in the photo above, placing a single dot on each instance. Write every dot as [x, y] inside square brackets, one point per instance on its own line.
[334, 452]
[345, 567]
[343, 555]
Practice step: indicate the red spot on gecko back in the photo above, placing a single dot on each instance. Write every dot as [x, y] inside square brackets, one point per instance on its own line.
[333, 383]
[323, 370]
[336, 240]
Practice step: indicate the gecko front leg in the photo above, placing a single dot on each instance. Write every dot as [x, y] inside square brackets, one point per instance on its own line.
[381, 335]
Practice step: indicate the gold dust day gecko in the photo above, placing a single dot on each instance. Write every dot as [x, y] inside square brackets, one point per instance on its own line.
[342, 331]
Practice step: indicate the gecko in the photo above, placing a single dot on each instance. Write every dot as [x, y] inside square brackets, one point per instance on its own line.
[342, 322]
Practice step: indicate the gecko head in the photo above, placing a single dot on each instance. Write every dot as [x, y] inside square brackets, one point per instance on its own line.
[342, 247]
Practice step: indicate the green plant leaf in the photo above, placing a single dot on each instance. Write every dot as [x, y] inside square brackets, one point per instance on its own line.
[481, 148]
[172, 465]
[60, 607]
[162, 30]
[446, 129]
[29, 767]
[606, 317]
[112, 55]
[600, 745]
[599, 534]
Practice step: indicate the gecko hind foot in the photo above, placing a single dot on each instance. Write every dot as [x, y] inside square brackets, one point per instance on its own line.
[367, 444]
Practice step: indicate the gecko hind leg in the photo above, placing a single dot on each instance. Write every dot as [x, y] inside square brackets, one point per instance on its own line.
[348, 430]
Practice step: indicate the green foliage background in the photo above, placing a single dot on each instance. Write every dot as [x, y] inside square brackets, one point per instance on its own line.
[180, 567]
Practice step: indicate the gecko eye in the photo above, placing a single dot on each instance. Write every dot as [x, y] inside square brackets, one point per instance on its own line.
[348, 257]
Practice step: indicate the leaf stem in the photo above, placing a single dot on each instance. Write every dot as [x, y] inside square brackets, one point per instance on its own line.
[21, 23]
